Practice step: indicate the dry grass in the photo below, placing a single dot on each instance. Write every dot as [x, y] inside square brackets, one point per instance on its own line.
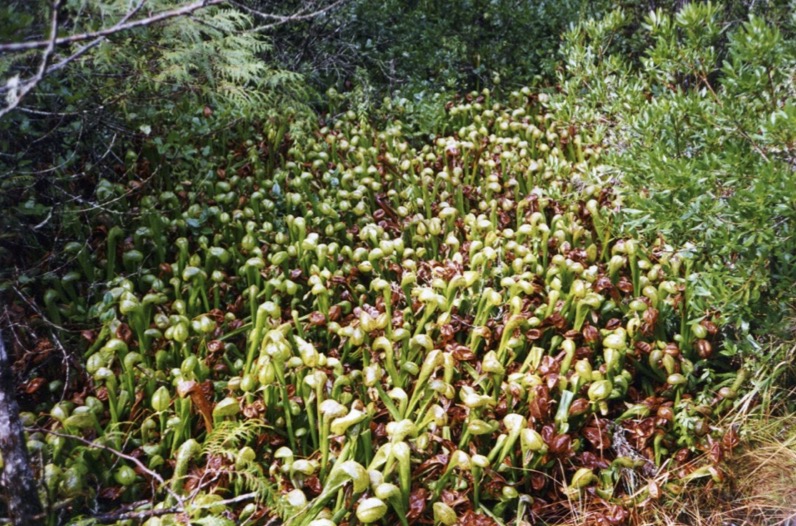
[766, 475]
[760, 484]
[759, 489]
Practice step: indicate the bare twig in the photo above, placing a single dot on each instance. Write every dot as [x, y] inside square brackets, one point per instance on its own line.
[279, 20]
[20, 89]
[134, 515]
[144, 514]
[140, 465]
[67, 359]
[83, 49]
[299, 15]
[117, 28]
[60, 113]
[32, 305]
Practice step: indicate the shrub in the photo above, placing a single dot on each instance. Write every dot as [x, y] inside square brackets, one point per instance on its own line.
[700, 133]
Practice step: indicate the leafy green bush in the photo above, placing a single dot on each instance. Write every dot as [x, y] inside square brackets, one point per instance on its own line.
[416, 49]
[700, 132]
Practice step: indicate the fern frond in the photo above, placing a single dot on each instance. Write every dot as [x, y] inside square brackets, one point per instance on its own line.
[251, 479]
[229, 436]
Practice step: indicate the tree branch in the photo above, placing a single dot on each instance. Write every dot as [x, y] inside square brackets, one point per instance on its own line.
[283, 19]
[119, 454]
[18, 91]
[145, 514]
[117, 28]
[83, 49]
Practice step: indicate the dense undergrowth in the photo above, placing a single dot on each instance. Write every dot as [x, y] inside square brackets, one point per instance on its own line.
[428, 333]
[514, 306]
[701, 133]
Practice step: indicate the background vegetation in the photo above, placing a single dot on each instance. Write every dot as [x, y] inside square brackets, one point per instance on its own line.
[686, 111]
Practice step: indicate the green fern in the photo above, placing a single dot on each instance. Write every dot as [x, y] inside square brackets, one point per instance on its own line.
[211, 56]
[226, 441]
[229, 436]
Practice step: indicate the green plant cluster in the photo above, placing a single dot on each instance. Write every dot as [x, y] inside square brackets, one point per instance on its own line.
[700, 131]
[360, 330]
[500, 308]
[192, 82]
